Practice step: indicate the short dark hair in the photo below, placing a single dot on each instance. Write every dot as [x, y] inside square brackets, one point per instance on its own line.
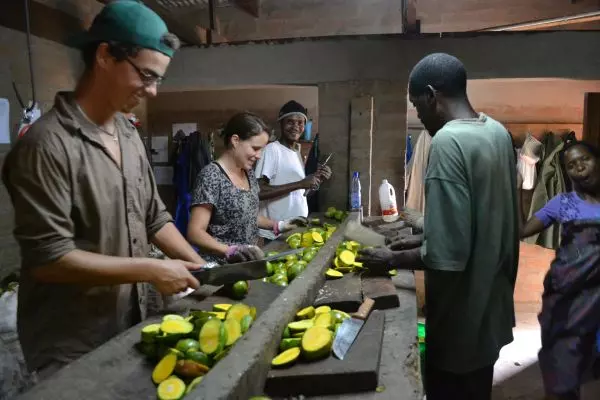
[245, 125]
[445, 73]
[121, 51]
[593, 150]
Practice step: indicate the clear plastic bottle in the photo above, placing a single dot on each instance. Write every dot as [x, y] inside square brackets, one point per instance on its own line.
[355, 199]
[387, 200]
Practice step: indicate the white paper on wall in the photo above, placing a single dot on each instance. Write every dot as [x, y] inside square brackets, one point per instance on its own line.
[187, 128]
[163, 175]
[160, 147]
[4, 121]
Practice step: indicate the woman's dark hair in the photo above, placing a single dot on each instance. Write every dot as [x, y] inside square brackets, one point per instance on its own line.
[245, 125]
[593, 150]
[121, 51]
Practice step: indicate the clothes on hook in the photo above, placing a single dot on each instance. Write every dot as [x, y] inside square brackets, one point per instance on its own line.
[191, 153]
[527, 159]
[415, 197]
[551, 181]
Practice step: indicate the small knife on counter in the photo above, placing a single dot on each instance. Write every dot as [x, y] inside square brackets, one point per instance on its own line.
[217, 275]
[350, 329]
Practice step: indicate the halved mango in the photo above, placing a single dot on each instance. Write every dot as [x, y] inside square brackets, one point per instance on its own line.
[286, 358]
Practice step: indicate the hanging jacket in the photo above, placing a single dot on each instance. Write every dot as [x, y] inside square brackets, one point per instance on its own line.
[550, 182]
[415, 197]
[193, 153]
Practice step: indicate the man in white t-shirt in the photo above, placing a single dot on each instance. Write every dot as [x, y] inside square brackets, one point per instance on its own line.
[280, 170]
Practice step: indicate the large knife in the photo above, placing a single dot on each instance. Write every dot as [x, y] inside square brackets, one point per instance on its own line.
[350, 329]
[217, 275]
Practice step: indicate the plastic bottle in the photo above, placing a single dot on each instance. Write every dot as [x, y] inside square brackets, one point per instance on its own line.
[355, 202]
[387, 200]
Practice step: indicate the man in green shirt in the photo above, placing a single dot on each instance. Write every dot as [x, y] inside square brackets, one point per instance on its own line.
[470, 243]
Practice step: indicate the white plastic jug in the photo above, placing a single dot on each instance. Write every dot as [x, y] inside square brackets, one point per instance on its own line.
[387, 200]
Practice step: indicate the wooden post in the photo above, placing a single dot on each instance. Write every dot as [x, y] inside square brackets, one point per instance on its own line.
[361, 145]
[591, 119]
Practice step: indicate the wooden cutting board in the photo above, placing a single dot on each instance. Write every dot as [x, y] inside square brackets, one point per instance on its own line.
[341, 294]
[358, 372]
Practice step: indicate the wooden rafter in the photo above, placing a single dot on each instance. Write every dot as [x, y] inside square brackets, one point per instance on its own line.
[193, 34]
[549, 23]
[252, 7]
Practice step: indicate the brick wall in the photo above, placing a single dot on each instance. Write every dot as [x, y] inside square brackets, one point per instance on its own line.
[533, 264]
[389, 130]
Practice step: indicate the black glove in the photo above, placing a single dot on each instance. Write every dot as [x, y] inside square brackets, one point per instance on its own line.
[243, 253]
[412, 218]
[405, 242]
[377, 259]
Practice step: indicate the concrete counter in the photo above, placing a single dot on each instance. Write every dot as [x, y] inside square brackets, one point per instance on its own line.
[117, 371]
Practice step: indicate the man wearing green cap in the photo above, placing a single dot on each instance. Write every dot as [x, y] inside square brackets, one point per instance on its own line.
[85, 199]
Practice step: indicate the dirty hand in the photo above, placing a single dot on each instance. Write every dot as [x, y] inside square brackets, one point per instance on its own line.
[412, 218]
[377, 259]
[242, 253]
[173, 276]
[324, 172]
[312, 181]
[405, 242]
[292, 223]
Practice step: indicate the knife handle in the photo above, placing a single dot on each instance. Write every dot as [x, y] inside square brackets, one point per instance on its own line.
[365, 309]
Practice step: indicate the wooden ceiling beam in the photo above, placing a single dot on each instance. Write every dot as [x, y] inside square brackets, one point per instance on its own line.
[549, 23]
[45, 22]
[188, 33]
[252, 7]
[410, 23]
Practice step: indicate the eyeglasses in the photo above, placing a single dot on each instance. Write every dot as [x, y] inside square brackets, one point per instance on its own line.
[147, 78]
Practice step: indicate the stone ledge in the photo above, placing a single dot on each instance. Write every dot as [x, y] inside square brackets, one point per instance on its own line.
[243, 372]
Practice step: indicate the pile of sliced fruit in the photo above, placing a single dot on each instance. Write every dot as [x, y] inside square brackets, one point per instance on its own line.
[187, 347]
[315, 236]
[333, 213]
[282, 272]
[345, 260]
[310, 336]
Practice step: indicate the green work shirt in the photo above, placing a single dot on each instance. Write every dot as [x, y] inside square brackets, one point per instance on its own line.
[471, 246]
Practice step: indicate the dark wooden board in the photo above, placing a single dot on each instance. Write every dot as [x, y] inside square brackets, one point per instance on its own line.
[382, 290]
[341, 294]
[260, 295]
[358, 371]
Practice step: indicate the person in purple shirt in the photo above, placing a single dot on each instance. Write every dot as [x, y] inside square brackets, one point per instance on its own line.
[570, 314]
[582, 165]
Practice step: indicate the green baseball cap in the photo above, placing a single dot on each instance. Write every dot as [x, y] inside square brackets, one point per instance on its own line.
[130, 22]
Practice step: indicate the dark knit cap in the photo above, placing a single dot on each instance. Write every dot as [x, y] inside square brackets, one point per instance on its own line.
[292, 108]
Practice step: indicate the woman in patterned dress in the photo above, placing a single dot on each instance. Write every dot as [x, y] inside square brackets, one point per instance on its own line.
[224, 219]
[570, 315]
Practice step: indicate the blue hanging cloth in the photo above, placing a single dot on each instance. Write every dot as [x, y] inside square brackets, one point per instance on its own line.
[193, 153]
[409, 149]
[182, 188]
